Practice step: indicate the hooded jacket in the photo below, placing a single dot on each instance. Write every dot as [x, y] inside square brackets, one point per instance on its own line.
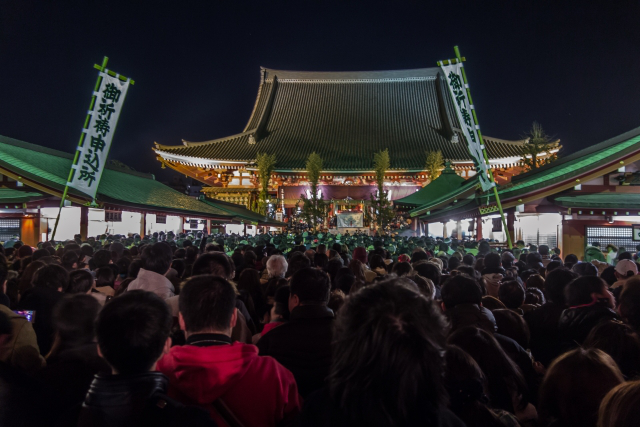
[576, 323]
[492, 282]
[591, 253]
[258, 390]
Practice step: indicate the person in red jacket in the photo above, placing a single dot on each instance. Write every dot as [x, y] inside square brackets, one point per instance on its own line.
[229, 379]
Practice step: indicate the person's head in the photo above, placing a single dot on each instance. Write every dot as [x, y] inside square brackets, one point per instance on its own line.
[280, 307]
[297, 262]
[389, 343]
[543, 250]
[309, 287]
[553, 265]
[157, 258]
[625, 255]
[376, 261]
[492, 260]
[469, 260]
[207, 304]
[503, 375]
[402, 269]
[51, 276]
[101, 258]
[277, 266]
[629, 306]
[620, 342]
[428, 270]
[74, 319]
[358, 269]
[621, 406]
[344, 280]
[105, 277]
[555, 284]
[214, 263]
[586, 290]
[250, 259]
[320, 261]
[80, 282]
[466, 383]
[574, 386]
[511, 293]
[585, 269]
[512, 325]
[626, 269]
[134, 268]
[460, 289]
[133, 332]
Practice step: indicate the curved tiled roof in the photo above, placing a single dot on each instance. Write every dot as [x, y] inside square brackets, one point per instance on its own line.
[345, 117]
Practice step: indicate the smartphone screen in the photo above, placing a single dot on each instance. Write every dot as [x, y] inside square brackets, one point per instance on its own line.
[29, 314]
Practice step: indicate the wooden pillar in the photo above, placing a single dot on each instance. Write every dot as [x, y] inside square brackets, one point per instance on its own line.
[245, 228]
[30, 231]
[143, 224]
[479, 228]
[414, 226]
[208, 227]
[459, 230]
[444, 230]
[84, 222]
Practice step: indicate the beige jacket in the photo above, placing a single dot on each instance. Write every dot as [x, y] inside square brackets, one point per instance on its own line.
[153, 282]
[22, 351]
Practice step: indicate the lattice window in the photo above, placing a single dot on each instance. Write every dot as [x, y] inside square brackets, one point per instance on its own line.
[9, 227]
[618, 236]
[113, 216]
[161, 219]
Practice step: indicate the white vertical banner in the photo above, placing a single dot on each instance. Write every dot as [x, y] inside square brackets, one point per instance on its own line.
[458, 90]
[92, 155]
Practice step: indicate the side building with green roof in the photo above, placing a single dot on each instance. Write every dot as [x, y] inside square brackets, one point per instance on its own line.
[590, 196]
[32, 179]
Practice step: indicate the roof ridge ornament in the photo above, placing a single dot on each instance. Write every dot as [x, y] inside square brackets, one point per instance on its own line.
[252, 140]
[455, 138]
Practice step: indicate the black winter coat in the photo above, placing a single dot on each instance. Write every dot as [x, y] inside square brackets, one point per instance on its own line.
[137, 401]
[576, 323]
[543, 326]
[303, 346]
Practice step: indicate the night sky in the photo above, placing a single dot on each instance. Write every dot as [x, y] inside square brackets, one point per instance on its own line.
[572, 66]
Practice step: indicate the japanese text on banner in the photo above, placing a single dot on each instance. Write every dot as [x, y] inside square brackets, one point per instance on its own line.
[458, 92]
[98, 136]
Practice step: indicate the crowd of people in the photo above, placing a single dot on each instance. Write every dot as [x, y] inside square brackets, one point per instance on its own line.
[316, 330]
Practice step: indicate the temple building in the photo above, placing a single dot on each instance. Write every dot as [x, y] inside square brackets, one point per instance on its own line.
[345, 117]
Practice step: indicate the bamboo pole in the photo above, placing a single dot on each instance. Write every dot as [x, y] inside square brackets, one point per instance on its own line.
[80, 143]
[484, 150]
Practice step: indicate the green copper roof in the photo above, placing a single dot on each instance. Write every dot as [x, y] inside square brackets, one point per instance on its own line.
[451, 211]
[50, 168]
[570, 167]
[600, 201]
[345, 117]
[462, 192]
[447, 182]
[10, 195]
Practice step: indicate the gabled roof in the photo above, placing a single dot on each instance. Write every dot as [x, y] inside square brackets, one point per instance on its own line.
[47, 170]
[464, 191]
[10, 195]
[345, 117]
[447, 182]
